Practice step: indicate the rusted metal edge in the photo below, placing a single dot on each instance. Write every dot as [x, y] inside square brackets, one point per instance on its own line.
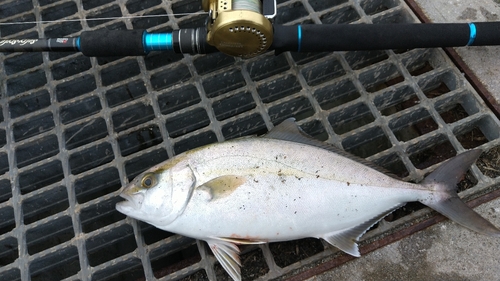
[488, 98]
[396, 236]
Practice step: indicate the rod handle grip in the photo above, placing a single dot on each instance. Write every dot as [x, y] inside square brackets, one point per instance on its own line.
[108, 43]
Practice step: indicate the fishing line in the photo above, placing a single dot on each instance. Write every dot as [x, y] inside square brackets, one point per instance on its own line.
[98, 19]
[250, 5]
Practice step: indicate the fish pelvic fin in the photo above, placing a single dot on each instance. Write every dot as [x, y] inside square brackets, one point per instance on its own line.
[228, 255]
[346, 239]
[446, 201]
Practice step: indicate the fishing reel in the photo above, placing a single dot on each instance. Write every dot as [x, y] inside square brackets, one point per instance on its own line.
[240, 28]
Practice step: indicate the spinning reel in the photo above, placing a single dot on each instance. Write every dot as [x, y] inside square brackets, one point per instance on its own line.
[240, 28]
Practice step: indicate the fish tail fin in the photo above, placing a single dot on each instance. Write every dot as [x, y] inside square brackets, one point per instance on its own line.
[444, 180]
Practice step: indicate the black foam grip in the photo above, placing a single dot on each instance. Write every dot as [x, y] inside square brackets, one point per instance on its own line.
[104, 43]
[348, 37]
[488, 34]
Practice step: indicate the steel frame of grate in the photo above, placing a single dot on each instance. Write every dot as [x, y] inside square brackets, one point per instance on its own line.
[73, 130]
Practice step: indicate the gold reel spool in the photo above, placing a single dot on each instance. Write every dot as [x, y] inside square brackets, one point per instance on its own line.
[238, 27]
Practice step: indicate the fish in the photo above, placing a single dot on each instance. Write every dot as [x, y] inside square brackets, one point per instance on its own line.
[281, 186]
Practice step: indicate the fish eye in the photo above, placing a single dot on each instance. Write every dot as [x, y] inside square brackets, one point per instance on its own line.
[148, 181]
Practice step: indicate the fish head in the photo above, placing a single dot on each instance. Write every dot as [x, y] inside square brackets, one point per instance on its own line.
[158, 196]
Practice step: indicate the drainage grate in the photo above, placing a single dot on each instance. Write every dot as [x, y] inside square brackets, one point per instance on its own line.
[73, 129]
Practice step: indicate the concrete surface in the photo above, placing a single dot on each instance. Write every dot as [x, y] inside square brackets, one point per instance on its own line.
[445, 251]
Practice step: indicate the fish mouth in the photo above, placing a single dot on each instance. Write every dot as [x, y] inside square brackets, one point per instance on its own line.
[131, 203]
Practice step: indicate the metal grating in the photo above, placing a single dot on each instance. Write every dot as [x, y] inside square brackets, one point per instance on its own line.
[74, 129]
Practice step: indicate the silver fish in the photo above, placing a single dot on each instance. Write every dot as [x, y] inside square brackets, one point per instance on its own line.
[283, 186]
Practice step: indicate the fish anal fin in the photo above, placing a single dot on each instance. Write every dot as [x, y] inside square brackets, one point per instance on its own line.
[346, 239]
[242, 241]
[228, 256]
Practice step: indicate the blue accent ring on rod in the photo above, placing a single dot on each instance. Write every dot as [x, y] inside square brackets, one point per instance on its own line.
[299, 37]
[473, 34]
[158, 42]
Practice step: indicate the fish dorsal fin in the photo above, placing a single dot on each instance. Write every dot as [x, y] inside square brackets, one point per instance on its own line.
[288, 130]
[228, 256]
[346, 239]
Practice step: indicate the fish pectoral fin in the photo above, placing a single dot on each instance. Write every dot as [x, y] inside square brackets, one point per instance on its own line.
[241, 241]
[228, 256]
[221, 186]
[346, 239]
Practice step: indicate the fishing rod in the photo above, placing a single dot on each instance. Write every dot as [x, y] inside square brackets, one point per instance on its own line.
[244, 28]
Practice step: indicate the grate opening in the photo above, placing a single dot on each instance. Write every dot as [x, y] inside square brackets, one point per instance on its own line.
[26, 82]
[55, 266]
[489, 162]
[139, 140]
[59, 11]
[74, 130]
[324, 71]
[223, 82]
[90, 4]
[343, 15]
[5, 190]
[336, 94]
[90, 158]
[165, 261]
[108, 12]
[111, 244]
[28, 104]
[187, 122]
[287, 253]
[375, 7]
[41, 237]
[128, 270]
[350, 118]
[8, 254]
[15, 7]
[33, 126]
[22, 62]
[145, 23]
[40, 205]
[96, 185]
[290, 12]
[85, 133]
[134, 6]
[7, 222]
[428, 152]
[100, 214]
[137, 164]
[42, 175]
[396, 99]
[134, 90]
[75, 88]
[413, 125]
[367, 142]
